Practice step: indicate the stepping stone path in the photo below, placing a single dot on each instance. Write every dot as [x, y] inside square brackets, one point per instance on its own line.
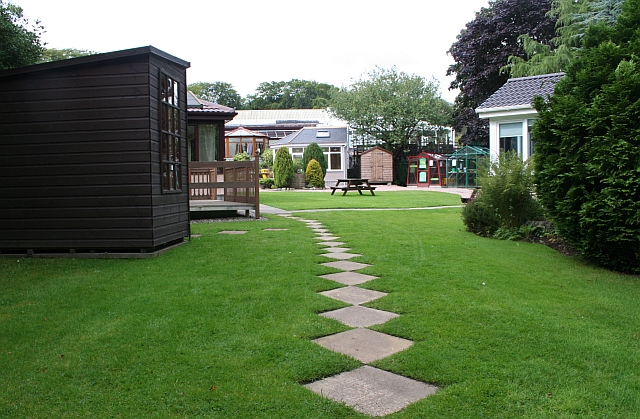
[366, 389]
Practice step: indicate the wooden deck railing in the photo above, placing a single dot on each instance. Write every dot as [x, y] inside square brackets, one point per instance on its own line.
[237, 181]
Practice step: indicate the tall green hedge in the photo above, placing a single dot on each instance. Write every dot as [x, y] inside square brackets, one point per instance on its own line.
[588, 146]
[314, 152]
[283, 168]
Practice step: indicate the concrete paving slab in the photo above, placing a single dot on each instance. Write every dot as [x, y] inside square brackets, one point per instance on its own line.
[363, 344]
[372, 391]
[334, 249]
[331, 244]
[358, 316]
[341, 256]
[353, 295]
[320, 230]
[232, 232]
[327, 238]
[349, 278]
[345, 265]
[276, 229]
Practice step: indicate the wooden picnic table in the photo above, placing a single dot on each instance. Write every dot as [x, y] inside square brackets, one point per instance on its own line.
[346, 185]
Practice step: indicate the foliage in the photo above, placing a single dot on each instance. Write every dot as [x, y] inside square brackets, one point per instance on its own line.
[573, 19]
[267, 182]
[391, 107]
[266, 158]
[588, 146]
[314, 175]
[218, 92]
[506, 200]
[244, 156]
[313, 151]
[293, 94]
[482, 48]
[53, 54]
[20, 43]
[283, 170]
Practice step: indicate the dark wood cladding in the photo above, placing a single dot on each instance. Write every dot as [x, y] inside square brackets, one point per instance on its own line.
[80, 155]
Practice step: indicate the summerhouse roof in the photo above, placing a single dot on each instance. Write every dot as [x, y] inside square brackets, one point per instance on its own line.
[520, 92]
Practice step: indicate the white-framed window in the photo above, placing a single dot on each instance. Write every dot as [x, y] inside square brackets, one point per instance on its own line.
[334, 157]
[297, 153]
[511, 137]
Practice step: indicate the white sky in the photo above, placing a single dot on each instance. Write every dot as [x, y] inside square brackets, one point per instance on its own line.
[247, 42]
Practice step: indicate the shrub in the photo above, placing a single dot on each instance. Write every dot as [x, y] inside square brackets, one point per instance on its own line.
[480, 218]
[588, 146]
[507, 186]
[241, 157]
[314, 152]
[283, 168]
[266, 159]
[266, 183]
[314, 175]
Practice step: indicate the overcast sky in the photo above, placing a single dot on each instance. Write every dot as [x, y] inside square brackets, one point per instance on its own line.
[247, 42]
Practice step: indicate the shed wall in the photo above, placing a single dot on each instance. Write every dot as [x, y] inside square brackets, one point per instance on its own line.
[377, 165]
[80, 162]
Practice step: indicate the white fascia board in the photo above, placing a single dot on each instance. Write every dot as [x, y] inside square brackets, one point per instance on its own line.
[506, 111]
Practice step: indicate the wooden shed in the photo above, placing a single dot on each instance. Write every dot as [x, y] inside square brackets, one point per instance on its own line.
[93, 154]
[376, 164]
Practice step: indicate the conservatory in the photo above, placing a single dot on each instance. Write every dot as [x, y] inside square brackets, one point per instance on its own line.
[462, 166]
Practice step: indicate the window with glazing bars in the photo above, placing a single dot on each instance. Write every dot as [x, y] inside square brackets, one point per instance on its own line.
[170, 140]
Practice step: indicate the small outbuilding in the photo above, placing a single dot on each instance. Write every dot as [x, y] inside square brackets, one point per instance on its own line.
[376, 164]
[426, 169]
[243, 140]
[463, 165]
[511, 113]
[93, 154]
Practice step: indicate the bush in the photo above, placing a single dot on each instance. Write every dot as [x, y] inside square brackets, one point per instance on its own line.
[241, 157]
[283, 168]
[266, 159]
[266, 183]
[506, 200]
[588, 146]
[480, 218]
[314, 152]
[314, 175]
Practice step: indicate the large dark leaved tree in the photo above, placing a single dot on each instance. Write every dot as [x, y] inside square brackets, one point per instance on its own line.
[588, 146]
[293, 94]
[483, 47]
[19, 39]
[220, 92]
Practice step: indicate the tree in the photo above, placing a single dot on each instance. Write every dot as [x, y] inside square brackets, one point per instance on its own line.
[52, 54]
[314, 175]
[294, 94]
[283, 168]
[313, 151]
[573, 20]
[588, 146]
[391, 107]
[219, 92]
[483, 47]
[19, 40]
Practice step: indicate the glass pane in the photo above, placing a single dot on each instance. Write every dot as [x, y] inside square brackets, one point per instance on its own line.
[336, 162]
[176, 93]
[335, 149]
[297, 150]
[208, 140]
[191, 142]
[513, 129]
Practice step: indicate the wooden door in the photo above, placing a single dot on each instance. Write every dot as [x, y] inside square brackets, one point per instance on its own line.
[377, 167]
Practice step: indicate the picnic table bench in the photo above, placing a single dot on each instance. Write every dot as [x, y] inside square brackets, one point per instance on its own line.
[346, 185]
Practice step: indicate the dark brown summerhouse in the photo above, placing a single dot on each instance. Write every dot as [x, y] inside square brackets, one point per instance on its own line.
[93, 154]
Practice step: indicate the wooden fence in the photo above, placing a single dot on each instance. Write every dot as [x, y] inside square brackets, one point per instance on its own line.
[226, 182]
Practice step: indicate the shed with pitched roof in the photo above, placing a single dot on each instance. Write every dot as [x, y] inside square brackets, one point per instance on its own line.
[511, 113]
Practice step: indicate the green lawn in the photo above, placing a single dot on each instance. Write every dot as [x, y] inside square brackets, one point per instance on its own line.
[221, 326]
[321, 200]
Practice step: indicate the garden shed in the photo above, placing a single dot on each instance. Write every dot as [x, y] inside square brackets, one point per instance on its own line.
[376, 164]
[426, 169]
[93, 154]
[462, 166]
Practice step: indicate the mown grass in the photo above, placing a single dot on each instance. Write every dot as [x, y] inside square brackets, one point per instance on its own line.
[324, 200]
[221, 326]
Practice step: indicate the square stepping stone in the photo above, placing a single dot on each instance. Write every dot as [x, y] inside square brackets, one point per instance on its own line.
[341, 256]
[327, 238]
[358, 316]
[363, 344]
[349, 278]
[372, 391]
[345, 265]
[232, 232]
[353, 295]
[332, 244]
[337, 249]
[320, 230]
